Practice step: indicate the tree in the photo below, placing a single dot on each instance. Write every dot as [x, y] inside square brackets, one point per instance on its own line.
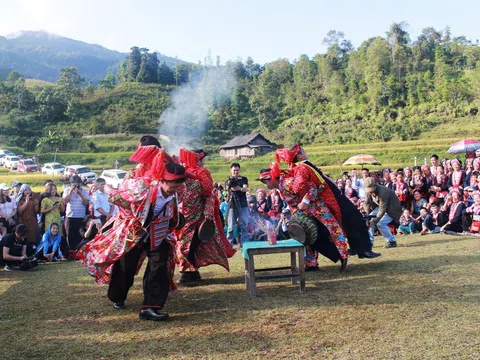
[90, 89]
[165, 75]
[13, 76]
[132, 64]
[70, 82]
[110, 81]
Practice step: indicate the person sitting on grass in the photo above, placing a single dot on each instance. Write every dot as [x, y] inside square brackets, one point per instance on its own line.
[431, 224]
[400, 187]
[470, 212]
[49, 248]
[418, 223]
[13, 252]
[417, 203]
[407, 225]
[453, 209]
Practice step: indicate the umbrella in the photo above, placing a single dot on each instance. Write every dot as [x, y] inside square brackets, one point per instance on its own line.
[464, 146]
[362, 159]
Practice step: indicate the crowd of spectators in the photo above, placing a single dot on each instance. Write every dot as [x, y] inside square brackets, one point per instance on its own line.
[49, 226]
[443, 197]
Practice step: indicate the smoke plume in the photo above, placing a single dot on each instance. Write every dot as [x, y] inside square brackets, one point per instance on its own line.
[186, 120]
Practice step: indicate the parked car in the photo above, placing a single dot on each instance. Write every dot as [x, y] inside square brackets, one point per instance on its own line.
[27, 165]
[113, 177]
[3, 153]
[11, 162]
[85, 173]
[6, 152]
[53, 168]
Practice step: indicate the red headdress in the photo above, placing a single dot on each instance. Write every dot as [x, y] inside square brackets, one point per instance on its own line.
[144, 154]
[287, 155]
[273, 173]
[189, 158]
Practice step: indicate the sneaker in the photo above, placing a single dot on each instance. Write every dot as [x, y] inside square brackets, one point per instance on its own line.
[11, 268]
[391, 244]
[119, 306]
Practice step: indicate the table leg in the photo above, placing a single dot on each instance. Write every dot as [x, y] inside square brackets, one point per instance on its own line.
[247, 277]
[293, 264]
[301, 267]
[251, 275]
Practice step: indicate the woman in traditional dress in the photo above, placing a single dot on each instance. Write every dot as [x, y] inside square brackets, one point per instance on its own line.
[440, 183]
[457, 177]
[52, 207]
[199, 203]
[350, 192]
[300, 190]
[27, 204]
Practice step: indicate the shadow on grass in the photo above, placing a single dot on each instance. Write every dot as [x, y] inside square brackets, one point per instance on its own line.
[450, 239]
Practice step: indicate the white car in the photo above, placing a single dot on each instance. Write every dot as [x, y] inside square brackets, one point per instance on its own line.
[11, 162]
[85, 173]
[53, 168]
[113, 177]
[3, 154]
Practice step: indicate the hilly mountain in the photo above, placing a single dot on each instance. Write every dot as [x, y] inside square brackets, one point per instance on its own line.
[40, 55]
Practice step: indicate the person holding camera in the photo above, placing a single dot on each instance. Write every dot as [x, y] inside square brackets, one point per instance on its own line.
[51, 208]
[13, 252]
[76, 197]
[237, 214]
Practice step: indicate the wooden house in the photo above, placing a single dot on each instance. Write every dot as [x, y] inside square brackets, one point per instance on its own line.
[246, 146]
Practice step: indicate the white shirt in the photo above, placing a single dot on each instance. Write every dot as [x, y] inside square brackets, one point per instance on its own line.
[361, 190]
[100, 201]
[75, 207]
[160, 201]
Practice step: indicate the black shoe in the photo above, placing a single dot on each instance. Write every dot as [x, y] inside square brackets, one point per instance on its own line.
[189, 277]
[369, 255]
[352, 252]
[119, 306]
[152, 314]
[311, 268]
[343, 264]
[391, 244]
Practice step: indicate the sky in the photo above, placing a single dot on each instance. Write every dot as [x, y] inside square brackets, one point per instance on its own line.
[266, 30]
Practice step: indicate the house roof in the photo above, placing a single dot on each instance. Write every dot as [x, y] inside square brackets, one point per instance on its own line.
[243, 140]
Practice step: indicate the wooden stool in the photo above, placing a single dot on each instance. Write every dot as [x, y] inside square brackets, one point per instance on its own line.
[252, 248]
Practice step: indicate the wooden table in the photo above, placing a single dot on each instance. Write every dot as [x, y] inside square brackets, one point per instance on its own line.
[252, 248]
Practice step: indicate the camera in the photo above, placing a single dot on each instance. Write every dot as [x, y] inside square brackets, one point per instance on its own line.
[232, 182]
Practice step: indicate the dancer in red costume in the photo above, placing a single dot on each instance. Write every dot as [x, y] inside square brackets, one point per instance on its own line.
[301, 194]
[199, 203]
[142, 227]
[347, 215]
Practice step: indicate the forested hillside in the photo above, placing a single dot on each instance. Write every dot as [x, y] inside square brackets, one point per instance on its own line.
[390, 87]
[40, 55]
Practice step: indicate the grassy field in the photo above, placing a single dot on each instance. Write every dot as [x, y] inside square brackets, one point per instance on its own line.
[418, 301]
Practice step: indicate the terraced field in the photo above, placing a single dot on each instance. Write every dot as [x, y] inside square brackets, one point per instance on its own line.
[393, 154]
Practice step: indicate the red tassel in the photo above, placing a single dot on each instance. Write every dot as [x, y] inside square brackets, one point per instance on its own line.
[188, 158]
[157, 166]
[144, 154]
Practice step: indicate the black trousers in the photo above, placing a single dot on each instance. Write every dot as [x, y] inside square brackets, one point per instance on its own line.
[467, 220]
[155, 279]
[73, 226]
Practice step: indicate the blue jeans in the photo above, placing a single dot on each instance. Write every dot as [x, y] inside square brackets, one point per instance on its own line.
[382, 227]
[242, 219]
[407, 229]
[432, 228]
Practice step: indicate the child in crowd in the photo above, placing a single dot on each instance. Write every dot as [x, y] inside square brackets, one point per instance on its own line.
[282, 226]
[407, 225]
[421, 219]
[431, 224]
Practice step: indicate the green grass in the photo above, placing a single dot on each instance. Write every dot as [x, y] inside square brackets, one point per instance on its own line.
[418, 301]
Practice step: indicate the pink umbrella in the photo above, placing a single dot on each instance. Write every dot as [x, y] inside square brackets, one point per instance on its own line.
[464, 146]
